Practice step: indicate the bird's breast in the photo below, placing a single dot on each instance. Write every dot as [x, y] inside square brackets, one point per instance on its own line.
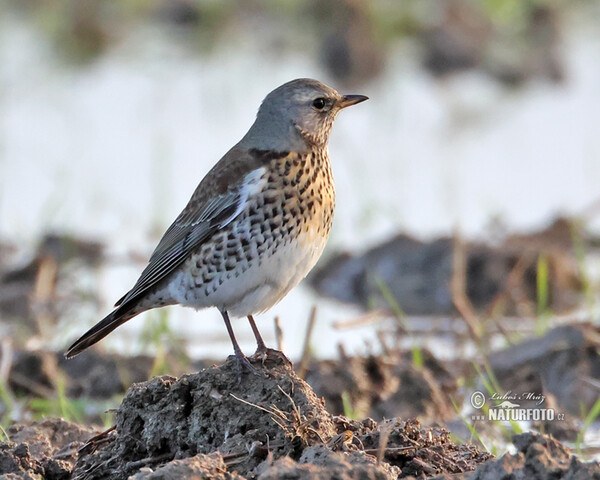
[302, 192]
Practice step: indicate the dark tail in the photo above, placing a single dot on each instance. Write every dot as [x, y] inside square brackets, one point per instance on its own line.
[100, 330]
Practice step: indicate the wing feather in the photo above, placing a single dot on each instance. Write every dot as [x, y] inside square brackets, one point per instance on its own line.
[191, 229]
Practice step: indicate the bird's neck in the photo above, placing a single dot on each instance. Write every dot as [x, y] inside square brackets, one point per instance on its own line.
[267, 133]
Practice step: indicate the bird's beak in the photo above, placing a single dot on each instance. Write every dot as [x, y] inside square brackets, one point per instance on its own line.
[349, 100]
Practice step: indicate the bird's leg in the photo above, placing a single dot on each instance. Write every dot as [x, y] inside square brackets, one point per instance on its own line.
[239, 355]
[260, 344]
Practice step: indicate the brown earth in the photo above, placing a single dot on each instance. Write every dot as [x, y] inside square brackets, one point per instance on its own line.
[387, 385]
[564, 363]
[538, 457]
[223, 424]
[47, 449]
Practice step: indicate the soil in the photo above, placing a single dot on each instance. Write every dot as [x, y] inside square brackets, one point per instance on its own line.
[46, 449]
[244, 416]
[562, 365]
[94, 375]
[240, 425]
[382, 386]
[538, 457]
[386, 386]
[224, 423]
[29, 299]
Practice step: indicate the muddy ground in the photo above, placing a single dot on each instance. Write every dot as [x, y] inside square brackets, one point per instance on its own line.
[223, 425]
[220, 423]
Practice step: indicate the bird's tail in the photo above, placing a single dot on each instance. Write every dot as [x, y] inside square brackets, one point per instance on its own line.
[101, 330]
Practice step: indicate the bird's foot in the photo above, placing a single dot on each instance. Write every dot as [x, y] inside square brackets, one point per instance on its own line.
[263, 354]
[243, 363]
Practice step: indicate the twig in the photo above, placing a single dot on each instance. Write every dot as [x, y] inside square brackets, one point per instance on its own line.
[384, 347]
[6, 358]
[384, 436]
[93, 443]
[149, 460]
[31, 385]
[458, 285]
[229, 458]
[252, 404]
[278, 334]
[342, 353]
[376, 451]
[593, 382]
[43, 293]
[365, 319]
[276, 415]
[514, 283]
[513, 289]
[304, 360]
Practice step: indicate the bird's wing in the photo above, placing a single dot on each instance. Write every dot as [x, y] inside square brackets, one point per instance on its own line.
[195, 225]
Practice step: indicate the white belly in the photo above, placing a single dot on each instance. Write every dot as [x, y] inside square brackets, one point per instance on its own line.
[260, 287]
[274, 278]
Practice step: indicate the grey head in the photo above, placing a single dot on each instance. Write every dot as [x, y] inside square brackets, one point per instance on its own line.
[297, 116]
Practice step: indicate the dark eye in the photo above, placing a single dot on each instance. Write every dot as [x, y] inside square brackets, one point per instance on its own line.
[319, 103]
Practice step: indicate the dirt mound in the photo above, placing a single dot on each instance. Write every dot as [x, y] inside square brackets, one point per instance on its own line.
[258, 427]
[243, 416]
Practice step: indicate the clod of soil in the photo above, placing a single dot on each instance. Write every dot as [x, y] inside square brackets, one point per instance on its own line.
[321, 463]
[198, 467]
[420, 451]
[538, 457]
[265, 427]
[47, 448]
[385, 386]
[559, 363]
[419, 274]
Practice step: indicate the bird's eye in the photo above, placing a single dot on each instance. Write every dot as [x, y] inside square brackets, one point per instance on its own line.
[319, 103]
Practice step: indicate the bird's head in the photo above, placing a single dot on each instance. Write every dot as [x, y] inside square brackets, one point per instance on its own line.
[299, 115]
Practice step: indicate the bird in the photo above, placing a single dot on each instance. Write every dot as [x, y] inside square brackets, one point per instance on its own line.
[255, 225]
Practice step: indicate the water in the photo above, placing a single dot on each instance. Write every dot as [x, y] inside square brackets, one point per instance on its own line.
[113, 151]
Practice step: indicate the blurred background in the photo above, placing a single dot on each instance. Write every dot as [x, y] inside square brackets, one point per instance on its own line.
[467, 187]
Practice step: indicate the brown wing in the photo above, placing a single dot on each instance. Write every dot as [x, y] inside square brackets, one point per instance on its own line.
[216, 201]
